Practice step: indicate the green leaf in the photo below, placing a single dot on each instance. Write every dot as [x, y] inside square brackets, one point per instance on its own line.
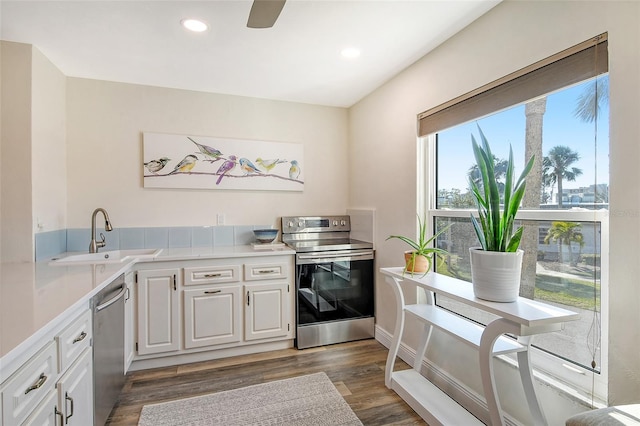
[479, 232]
[514, 242]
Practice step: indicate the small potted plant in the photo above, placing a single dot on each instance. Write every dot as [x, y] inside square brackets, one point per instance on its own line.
[421, 256]
[496, 265]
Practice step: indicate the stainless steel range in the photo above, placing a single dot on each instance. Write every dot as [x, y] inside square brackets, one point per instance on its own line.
[334, 280]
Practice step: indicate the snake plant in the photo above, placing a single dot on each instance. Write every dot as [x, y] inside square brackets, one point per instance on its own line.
[494, 226]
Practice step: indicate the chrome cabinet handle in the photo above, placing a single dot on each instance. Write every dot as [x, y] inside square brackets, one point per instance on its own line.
[212, 291]
[212, 275]
[38, 384]
[267, 271]
[68, 398]
[80, 338]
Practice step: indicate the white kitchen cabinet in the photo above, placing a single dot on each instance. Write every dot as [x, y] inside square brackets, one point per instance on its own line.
[211, 274]
[73, 340]
[230, 305]
[60, 373]
[212, 316]
[158, 311]
[267, 312]
[265, 270]
[25, 389]
[75, 391]
[129, 320]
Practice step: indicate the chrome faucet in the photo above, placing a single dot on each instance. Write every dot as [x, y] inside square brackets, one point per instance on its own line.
[95, 245]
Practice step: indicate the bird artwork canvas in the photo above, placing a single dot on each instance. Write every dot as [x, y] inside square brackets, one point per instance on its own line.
[204, 162]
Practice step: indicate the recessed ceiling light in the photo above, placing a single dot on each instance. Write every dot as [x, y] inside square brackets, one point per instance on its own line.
[194, 25]
[350, 52]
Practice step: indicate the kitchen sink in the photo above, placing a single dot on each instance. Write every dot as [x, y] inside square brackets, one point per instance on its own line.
[112, 256]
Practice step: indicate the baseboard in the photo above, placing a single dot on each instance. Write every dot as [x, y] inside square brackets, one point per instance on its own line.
[463, 395]
[170, 359]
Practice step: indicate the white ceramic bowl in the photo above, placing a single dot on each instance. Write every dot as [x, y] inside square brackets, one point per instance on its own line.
[265, 235]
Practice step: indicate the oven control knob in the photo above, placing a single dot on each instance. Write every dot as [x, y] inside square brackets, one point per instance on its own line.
[290, 224]
[343, 222]
[300, 224]
[335, 223]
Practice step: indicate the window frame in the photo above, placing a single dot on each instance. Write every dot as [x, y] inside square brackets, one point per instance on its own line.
[590, 385]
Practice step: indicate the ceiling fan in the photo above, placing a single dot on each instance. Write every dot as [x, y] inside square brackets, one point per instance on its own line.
[264, 13]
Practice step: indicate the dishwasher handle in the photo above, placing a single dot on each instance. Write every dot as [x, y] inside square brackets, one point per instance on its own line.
[113, 300]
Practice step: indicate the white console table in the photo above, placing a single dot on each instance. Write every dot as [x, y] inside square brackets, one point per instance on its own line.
[523, 318]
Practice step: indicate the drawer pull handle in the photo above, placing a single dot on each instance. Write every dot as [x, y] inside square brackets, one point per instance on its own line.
[38, 384]
[212, 291]
[267, 271]
[80, 338]
[68, 398]
[212, 275]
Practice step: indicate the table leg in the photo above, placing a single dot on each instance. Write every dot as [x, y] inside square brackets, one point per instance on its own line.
[397, 333]
[422, 347]
[490, 334]
[526, 375]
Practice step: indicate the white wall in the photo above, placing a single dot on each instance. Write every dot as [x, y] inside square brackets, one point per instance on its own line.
[105, 125]
[509, 37]
[33, 149]
[48, 145]
[17, 240]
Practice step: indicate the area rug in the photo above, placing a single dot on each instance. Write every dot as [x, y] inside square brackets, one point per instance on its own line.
[305, 400]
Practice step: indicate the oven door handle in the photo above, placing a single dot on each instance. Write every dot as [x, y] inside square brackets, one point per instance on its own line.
[347, 255]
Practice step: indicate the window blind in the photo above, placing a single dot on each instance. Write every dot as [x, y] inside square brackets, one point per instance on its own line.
[573, 65]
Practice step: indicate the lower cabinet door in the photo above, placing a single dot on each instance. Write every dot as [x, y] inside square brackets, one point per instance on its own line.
[158, 305]
[212, 316]
[75, 392]
[267, 312]
[45, 414]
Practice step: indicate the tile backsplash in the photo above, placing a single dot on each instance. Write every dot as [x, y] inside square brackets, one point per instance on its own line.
[52, 243]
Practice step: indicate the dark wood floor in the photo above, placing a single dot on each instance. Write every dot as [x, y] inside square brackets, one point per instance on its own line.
[355, 368]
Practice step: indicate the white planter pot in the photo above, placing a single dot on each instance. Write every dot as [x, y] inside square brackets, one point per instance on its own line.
[495, 275]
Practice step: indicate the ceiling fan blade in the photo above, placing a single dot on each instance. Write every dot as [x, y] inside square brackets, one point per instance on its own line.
[264, 13]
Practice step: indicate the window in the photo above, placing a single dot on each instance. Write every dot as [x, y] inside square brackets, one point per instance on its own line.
[558, 111]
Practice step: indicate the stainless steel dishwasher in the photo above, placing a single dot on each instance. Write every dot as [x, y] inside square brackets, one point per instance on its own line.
[108, 348]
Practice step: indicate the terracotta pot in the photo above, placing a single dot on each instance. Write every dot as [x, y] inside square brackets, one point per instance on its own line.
[495, 275]
[415, 263]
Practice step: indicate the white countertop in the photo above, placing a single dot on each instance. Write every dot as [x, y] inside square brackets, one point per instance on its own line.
[34, 295]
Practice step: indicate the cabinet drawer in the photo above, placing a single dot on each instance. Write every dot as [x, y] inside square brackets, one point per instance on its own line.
[212, 274]
[24, 390]
[265, 271]
[73, 340]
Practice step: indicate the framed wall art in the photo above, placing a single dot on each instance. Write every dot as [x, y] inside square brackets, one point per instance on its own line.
[200, 162]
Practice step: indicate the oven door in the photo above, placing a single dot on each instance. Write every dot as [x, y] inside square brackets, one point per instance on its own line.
[334, 286]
